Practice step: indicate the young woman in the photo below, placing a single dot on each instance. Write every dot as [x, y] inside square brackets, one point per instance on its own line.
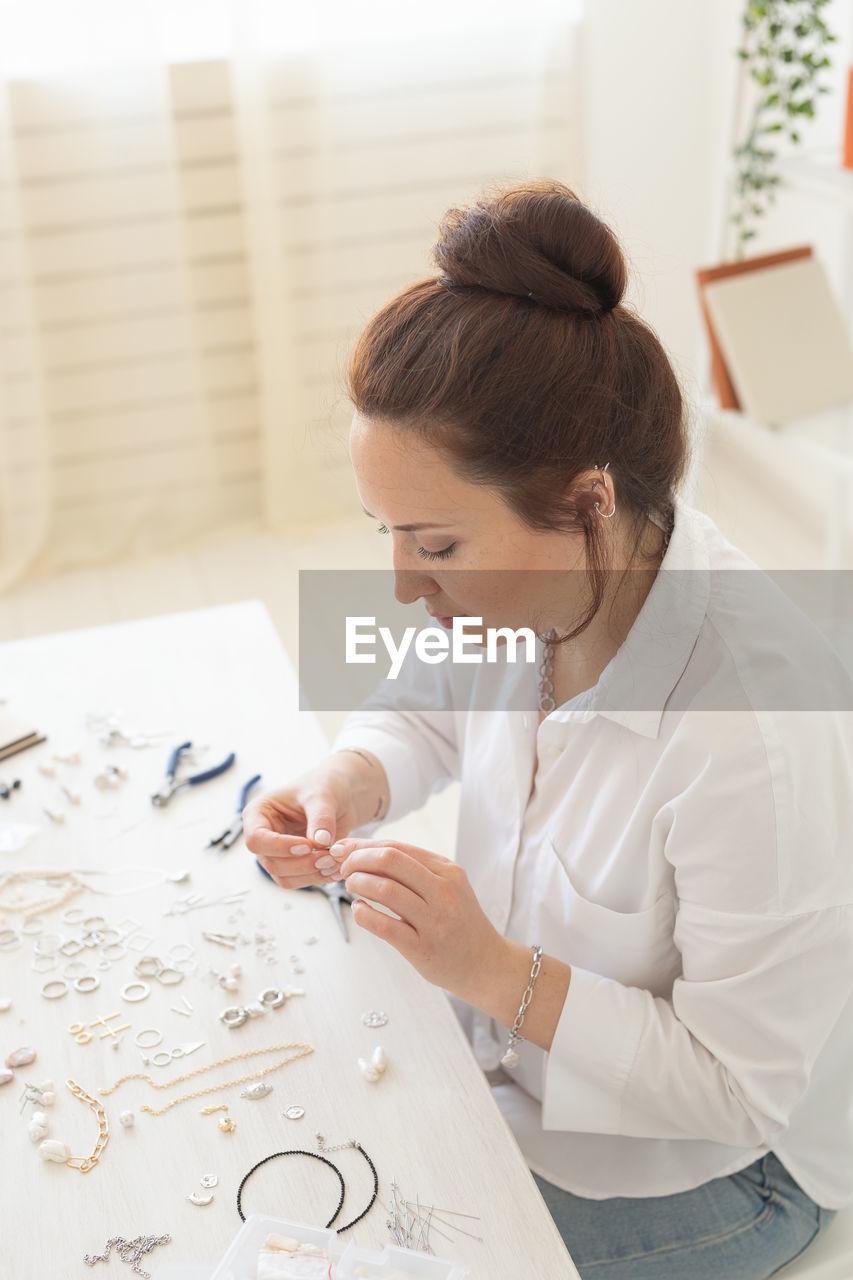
[652, 867]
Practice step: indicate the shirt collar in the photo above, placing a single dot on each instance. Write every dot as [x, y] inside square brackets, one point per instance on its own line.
[634, 687]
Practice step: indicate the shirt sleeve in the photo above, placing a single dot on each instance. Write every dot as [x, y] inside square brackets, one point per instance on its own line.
[764, 926]
[417, 746]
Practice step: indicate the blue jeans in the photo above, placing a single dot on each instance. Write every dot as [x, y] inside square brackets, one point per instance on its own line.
[742, 1227]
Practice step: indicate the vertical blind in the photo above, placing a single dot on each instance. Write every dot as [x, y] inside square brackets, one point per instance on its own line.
[187, 251]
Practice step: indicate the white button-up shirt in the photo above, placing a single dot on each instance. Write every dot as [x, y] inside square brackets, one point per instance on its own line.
[680, 836]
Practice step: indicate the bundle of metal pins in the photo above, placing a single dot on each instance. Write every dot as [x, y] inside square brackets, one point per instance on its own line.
[410, 1225]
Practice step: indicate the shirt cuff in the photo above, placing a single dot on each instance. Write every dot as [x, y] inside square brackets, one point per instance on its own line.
[585, 1073]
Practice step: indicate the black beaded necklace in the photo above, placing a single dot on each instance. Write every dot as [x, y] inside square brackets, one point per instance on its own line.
[324, 1160]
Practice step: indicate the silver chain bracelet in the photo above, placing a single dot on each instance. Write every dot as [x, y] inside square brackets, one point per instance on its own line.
[510, 1058]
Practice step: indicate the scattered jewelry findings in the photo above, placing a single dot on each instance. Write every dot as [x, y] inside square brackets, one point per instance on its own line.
[209, 1180]
[195, 1198]
[375, 1068]
[148, 1043]
[294, 1113]
[410, 1223]
[37, 1128]
[375, 1018]
[61, 1154]
[21, 1057]
[256, 1091]
[133, 992]
[227, 1125]
[130, 1251]
[208, 1111]
[300, 1051]
[270, 998]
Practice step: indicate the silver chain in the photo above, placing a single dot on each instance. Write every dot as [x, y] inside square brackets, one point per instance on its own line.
[510, 1058]
[546, 675]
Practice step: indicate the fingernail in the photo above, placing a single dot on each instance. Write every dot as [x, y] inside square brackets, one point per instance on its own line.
[300, 850]
[338, 850]
[322, 836]
[326, 865]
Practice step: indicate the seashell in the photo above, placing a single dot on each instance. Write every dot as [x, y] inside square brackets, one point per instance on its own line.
[127, 1119]
[21, 1057]
[257, 1090]
[379, 1059]
[52, 1149]
[6, 1077]
[369, 1071]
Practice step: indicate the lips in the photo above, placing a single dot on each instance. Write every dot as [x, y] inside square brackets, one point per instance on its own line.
[446, 622]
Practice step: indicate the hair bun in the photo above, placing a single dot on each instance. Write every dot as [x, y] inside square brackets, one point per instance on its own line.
[534, 240]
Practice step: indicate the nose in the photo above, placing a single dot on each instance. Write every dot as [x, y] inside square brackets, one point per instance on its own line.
[410, 584]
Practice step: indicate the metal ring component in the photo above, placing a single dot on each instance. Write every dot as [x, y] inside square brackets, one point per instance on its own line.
[87, 982]
[73, 915]
[161, 1059]
[33, 926]
[74, 966]
[272, 997]
[9, 940]
[169, 977]
[71, 947]
[55, 989]
[148, 1044]
[233, 1016]
[103, 964]
[114, 951]
[93, 922]
[140, 991]
[43, 964]
[147, 967]
[48, 944]
[182, 951]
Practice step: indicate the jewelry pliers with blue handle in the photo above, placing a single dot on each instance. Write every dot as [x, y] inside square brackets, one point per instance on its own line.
[233, 832]
[171, 783]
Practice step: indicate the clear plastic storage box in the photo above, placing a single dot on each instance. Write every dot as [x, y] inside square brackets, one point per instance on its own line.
[348, 1261]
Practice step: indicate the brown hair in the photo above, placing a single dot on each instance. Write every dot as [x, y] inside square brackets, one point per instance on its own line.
[521, 362]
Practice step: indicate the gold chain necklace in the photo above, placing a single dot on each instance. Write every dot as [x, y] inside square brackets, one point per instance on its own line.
[303, 1051]
[51, 1149]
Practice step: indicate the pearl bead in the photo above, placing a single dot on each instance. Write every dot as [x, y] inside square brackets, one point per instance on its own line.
[54, 1150]
[231, 984]
[6, 1077]
[21, 1057]
[48, 1098]
[379, 1059]
[369, 1071]
[127, 1119]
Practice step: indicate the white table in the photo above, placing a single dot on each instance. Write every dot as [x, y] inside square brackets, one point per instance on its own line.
[219, 677]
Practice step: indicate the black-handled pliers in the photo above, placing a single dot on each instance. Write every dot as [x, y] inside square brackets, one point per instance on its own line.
[234, 830]
[172, 783]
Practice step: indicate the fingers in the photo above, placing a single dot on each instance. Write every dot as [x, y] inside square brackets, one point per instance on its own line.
[398, 933]
[387, 863]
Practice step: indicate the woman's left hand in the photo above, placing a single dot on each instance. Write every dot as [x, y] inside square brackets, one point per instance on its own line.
[443, 931]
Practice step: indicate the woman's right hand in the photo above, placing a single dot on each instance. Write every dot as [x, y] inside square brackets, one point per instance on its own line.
[290, 829]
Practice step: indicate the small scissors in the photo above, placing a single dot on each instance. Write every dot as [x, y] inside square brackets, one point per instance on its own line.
[335, 893]
[233, 832]
[171, 783]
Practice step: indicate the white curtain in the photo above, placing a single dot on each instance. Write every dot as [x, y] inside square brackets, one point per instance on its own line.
[200, 205]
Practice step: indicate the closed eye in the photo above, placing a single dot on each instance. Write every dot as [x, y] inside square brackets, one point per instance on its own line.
[422, 551]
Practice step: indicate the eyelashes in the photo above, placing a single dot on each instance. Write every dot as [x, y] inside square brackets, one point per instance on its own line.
[422, 551]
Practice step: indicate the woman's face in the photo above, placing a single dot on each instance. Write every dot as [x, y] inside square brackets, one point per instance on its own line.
[443, 529]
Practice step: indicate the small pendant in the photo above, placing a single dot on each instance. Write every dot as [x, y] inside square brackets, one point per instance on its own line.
[510, 1059]
[255, 1091]
[51, 1149]
[227, 1125]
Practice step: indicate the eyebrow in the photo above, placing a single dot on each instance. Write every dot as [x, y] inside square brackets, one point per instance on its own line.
[408, 528]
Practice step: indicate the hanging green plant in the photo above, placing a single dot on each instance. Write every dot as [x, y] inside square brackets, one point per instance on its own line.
[784, 47]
